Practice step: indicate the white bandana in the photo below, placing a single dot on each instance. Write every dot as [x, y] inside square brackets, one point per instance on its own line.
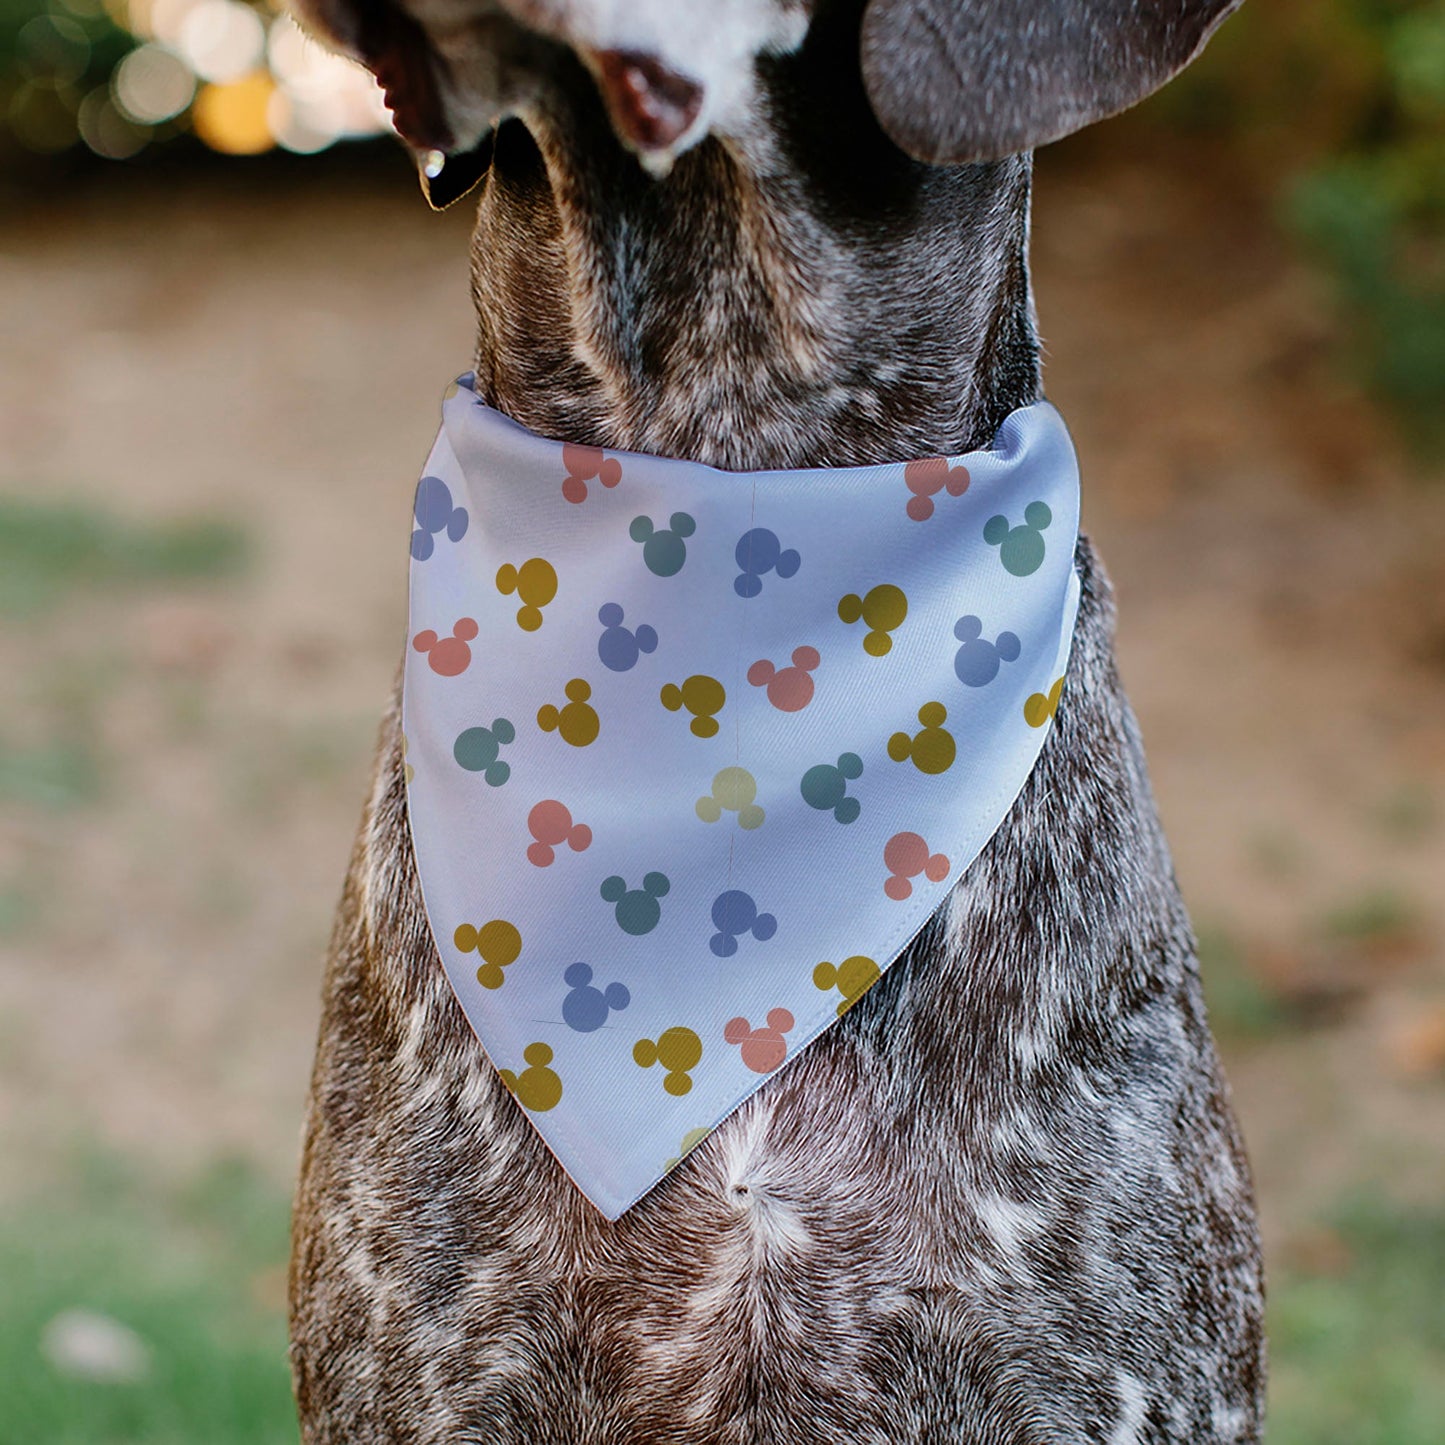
[693, 754]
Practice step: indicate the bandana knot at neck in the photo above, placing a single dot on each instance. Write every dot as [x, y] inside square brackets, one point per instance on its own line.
[693, 754]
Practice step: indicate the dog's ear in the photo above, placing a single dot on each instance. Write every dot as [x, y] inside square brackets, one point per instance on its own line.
[975, 80]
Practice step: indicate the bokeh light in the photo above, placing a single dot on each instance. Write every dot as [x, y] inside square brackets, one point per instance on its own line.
[152, 84]
[119, 75]
[221, 40]
[232, 117]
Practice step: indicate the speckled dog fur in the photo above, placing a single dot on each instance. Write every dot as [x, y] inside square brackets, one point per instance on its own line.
[1003, 1200]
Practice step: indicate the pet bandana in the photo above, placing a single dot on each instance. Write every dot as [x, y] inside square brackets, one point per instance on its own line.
[692, 755]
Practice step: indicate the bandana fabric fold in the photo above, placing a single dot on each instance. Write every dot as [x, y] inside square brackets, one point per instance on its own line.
[692, 755]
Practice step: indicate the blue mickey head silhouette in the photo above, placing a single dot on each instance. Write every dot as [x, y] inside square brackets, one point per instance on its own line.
[759, 552]
[733, 914]
[638, 910]
[434, 513]
[1021, 548]
[663, 551]
[585, 1008]
[977, 661]
[477, 751]
[825, 787]
[619, 647]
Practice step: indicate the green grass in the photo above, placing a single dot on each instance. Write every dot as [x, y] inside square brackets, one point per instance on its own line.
[194, 1275]
[1241, 1005]
[1358, 1355]
[56, 776]
[49, 550]
[1357, 1351]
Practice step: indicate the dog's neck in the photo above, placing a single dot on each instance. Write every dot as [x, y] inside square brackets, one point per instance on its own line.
[802, 296]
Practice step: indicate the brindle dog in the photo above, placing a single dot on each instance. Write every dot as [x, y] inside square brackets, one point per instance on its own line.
[1004, 1199]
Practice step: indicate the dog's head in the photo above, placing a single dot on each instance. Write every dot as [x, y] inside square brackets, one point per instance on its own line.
[949, 81]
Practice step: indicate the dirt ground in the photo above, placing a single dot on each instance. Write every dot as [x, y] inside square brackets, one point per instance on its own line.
[273, 354]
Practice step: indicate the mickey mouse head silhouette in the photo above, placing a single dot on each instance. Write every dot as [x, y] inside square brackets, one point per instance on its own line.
[883, 608]
[733, 914]
[551, 825]
[434, 514]
[733, 790]
[933, 749]
[977, 661]
[538, 1088]
[677, 1050]
[583, 464]
[1021, 549]
[852, 978]
[702, 696]
[585, 1008]
[638, 910]
[1038, 709]
[790, 689]
[757, 553]
[663, 552]
[477, 751]
[535, 583]
[499, 944]
[620, 647]
[448, 656]
[575, 721]
[825, 787]
[688, 1143]
[906, 855]
[763, 1049]
[926, 479]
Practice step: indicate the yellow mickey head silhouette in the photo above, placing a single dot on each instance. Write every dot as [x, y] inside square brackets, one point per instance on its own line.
[1038, 709]
[883, 608]
[535, 583]
[538, 1087]
[499, 944]
[690, 1141]
[677, 1050]
[852, 978]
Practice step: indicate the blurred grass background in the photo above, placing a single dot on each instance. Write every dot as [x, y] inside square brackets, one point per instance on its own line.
[203, 262]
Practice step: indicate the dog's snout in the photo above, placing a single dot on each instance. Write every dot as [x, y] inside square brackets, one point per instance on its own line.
[651, 106]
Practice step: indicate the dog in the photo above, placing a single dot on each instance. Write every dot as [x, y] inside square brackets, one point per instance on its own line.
[1004, 1199]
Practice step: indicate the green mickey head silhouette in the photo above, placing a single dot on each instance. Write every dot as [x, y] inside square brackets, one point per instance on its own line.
[1021, 548]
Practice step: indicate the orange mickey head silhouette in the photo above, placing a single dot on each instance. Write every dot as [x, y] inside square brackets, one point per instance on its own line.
[535, 583]
[538, 1088]
[926, 478]
[763, 1049]
[576, 721]
[933, 749]
[677, 1050]
[551, 825]
[852, 978]
[702, 696]
[499, 944]
[790, 689]
[448, 656]
[906, 855]
[1038, 709]
[883, 608]
[583, 465]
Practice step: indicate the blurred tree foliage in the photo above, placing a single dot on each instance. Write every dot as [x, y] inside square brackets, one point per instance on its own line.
[51, 58]
[1338, 106]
